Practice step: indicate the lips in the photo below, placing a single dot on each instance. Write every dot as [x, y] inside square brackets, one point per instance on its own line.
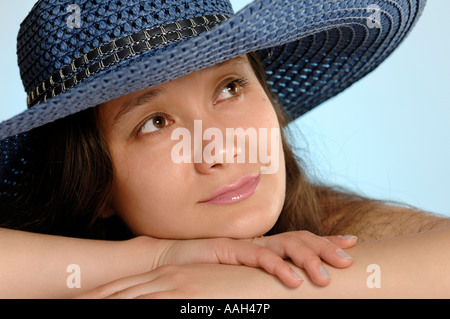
[235, 193]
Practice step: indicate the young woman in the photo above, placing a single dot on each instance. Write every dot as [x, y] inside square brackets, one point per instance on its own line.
[114, 171]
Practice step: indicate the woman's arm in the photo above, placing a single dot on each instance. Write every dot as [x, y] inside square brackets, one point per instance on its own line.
[413, 266]
[42, 266]
[36, 266]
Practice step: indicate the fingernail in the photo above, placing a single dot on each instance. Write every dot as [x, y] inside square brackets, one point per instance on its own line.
[347, 237]
[343, 254]
[297, 276]
[323, 272]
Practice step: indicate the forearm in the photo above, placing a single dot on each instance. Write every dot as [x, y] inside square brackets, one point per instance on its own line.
[36, 266]
[413, 266]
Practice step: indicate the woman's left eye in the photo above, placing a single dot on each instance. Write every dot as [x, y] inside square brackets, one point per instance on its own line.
[155, 123]
[231, 90]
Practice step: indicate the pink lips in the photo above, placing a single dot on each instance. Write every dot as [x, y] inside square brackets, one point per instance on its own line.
[236, 192]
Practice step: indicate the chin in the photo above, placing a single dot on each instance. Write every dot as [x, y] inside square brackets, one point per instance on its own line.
[254, 224]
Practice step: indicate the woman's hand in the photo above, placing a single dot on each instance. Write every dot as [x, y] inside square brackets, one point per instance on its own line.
[305, 249]
[196, 281]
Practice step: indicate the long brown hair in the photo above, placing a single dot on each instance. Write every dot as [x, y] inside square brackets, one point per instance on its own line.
[66, 184]
[70, 181]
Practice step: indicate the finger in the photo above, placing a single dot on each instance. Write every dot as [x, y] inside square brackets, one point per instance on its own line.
[275, 265]
[293, 245]
[108, 289]
[323, 248]
[170, 294]
[154, 281]
[298, 246]
[115, 287]
[257, 256]
[344, 242]
[277, 242]
[305, 257]
[333, 253]
[135, 291]
[307, 251]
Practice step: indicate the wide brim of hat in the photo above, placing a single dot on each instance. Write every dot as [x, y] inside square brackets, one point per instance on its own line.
[311, 50]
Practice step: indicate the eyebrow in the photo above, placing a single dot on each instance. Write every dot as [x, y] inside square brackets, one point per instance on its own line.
[151, 94]
[132, 104]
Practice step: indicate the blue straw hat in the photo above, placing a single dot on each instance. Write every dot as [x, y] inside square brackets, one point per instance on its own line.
[76, 56]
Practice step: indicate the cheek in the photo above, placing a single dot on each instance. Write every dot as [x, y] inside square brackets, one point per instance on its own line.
[143, 192]
[263, 113]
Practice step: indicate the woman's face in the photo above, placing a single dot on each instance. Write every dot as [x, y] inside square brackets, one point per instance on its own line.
[181, 170]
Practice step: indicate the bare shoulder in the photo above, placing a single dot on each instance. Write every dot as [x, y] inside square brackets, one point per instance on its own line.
[381, 221]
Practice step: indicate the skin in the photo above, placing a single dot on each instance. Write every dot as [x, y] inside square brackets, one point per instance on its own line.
[147, 192]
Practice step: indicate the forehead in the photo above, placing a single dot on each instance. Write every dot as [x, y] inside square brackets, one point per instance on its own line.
[240, 61]
[126, 102]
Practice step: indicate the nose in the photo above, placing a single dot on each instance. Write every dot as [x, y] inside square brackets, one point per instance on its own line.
[215, 150]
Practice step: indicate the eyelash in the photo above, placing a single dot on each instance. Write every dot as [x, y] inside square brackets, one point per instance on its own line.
[150, 118]
[242, 82]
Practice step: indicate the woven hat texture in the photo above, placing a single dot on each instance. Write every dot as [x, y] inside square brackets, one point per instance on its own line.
[315, 49]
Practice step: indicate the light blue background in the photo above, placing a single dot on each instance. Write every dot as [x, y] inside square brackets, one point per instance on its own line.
[386, 137]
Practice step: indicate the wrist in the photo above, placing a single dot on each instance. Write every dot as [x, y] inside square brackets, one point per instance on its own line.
[148, 253]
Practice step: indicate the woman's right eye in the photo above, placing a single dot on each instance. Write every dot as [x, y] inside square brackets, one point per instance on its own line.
[155, 123]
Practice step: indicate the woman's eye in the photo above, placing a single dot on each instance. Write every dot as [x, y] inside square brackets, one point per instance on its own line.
[231, 90]
[155, 123]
